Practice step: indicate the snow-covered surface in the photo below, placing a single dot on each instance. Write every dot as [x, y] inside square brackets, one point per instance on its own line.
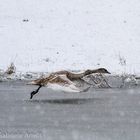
[93, 81]
[49, 35]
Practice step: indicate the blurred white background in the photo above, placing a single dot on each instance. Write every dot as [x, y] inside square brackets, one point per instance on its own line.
[49, 35]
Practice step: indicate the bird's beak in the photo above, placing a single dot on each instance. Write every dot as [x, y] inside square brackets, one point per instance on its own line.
[108, 72]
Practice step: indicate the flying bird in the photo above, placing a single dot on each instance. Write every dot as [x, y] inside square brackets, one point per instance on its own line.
[64, 81]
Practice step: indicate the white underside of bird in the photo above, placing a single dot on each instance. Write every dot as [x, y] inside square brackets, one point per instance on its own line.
[65, 88]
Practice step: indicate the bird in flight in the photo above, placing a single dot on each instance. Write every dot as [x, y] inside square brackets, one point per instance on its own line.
[64, 80]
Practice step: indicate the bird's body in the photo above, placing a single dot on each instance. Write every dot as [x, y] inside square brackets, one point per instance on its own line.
[63, 80]
[57, 82]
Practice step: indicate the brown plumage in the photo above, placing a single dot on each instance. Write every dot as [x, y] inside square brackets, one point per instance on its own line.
[52, 78]
[64, 79]
[75, 76]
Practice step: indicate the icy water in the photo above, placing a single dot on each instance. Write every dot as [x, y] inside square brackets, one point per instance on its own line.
[99, 114]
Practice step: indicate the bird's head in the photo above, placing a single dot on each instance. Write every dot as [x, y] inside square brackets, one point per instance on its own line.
[103, 70]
